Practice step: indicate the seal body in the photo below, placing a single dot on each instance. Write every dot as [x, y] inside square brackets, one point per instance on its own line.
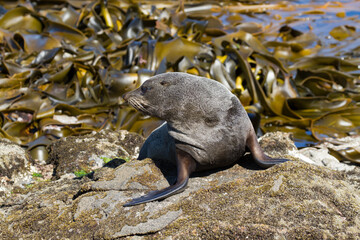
[204, 121]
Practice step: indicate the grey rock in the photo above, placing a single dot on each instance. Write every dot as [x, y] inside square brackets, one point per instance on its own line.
[287, 201]
[15, 167]
[88, 152]
[321, 157]
[151, 226]
[279, 144]
[13, 159]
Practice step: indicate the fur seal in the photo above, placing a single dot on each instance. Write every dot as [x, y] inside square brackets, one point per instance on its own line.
[206, 127]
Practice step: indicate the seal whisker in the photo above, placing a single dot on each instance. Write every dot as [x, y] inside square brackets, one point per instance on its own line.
[150, 106]
[133, 102]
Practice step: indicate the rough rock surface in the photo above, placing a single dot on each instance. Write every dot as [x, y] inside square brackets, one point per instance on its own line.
[288, 201]
[88, 152]
[280, 145]
[15, 167]
[277, 144]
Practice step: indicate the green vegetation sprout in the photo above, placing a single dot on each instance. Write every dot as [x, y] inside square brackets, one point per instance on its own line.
[80, 173]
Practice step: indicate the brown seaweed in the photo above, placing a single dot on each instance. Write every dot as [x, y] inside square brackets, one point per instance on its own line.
[64, 67]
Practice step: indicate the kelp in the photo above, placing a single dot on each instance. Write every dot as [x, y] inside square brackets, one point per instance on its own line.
[65, 66]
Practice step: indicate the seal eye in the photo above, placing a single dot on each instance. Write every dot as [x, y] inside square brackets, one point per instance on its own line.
[144, 89]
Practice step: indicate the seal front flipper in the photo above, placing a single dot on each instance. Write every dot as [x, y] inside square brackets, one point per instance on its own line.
[158, 195]
[185, 166]
[259, 156]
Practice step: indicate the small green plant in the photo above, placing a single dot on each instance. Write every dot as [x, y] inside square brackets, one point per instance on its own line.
[106, 159]
[39, 175]
[80, 173]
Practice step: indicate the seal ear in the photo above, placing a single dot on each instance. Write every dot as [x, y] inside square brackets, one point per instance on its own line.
[165, 83]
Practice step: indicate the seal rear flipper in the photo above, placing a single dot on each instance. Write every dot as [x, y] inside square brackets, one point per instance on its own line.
[260, 158]
[268, 161]
[185, 166]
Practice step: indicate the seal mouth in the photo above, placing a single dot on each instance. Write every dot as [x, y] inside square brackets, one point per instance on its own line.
[139, 106]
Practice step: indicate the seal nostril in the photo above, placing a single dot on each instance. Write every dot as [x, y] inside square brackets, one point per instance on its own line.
[125, 96]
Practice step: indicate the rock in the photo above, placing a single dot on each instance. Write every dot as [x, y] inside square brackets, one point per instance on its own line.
[277, 144]
[88, 152]
[68, 155]
[43, 208]
[280, 145]
[13, 159]
[321, 157]
[287, 201]
[15, 167]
